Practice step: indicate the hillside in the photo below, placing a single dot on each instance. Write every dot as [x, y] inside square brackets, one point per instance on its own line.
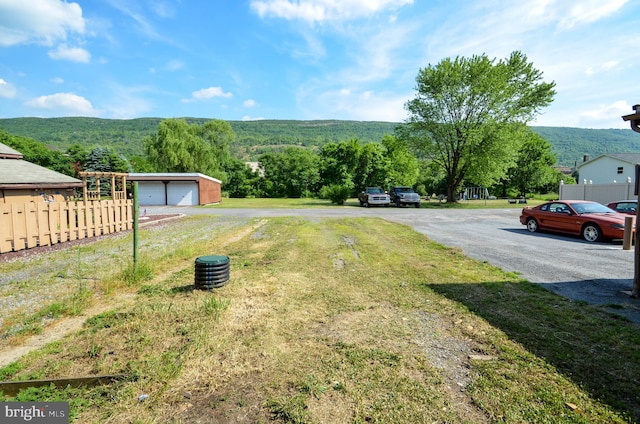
[256, 137]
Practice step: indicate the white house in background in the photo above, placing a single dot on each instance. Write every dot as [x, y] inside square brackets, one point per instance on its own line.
[609, 168]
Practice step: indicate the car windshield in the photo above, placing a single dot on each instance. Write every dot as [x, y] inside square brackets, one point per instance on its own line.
[591, 208]
[374, 190]
[405, 190]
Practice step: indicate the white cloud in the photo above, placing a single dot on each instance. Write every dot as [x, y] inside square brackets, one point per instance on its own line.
[57, 80]
[607, 66]
[323, 10]
[595, 118]
[248, 118]
[64, 104]
[208, 93]
[249, 103]
[587, 11]
[74, 54]
[7, 90]
[357, 105]
[45, 23]
[174, 65]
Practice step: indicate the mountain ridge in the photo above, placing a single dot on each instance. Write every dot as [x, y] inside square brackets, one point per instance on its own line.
[126, 136]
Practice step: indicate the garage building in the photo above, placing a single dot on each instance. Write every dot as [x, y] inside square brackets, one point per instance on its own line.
[176, 189]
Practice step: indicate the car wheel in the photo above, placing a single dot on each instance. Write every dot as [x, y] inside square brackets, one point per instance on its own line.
[532, 225]
[591, 233]
[397, 203]
[417, 205]
[366, 204]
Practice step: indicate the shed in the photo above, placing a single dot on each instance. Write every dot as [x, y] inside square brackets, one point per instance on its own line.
[22, 181]
[610, 167]
[176, 189]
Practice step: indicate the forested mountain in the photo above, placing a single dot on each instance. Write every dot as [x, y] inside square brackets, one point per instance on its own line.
[256, 137]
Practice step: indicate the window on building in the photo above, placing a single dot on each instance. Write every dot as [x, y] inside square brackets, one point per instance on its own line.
[620, 169]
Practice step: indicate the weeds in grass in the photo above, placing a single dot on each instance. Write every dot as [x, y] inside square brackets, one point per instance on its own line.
[136, 273]
[291, 409]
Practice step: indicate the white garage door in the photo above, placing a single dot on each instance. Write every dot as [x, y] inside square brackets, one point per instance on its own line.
[151, 193]
[182, 193]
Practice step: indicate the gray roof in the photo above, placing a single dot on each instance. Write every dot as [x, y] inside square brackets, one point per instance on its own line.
[16, 172]
[8, 151]
[632, 158]
[170, 176]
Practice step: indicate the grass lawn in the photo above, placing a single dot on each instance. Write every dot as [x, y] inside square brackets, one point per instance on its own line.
[326, 321]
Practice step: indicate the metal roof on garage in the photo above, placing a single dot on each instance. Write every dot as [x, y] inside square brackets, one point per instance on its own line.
[170, 176]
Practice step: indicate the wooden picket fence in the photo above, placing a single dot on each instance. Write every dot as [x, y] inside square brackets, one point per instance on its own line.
[27, 225]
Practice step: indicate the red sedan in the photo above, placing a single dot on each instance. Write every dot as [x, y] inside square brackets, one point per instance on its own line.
[592, 220]
[624, 206]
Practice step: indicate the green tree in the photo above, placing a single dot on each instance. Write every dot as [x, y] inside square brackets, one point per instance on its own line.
[241, 180]
[462, 115]
[78, 155]
[105, 159]
[403, 164]
[372, 169]
[339, 163]
[294, 172]
[180, 147]
[532, 170]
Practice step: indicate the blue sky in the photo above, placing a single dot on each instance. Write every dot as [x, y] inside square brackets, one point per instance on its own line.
[304, 59]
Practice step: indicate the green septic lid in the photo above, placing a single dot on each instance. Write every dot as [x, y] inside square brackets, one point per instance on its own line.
[212, 260]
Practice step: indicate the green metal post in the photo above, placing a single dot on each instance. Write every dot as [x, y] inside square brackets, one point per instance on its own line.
[135, 224]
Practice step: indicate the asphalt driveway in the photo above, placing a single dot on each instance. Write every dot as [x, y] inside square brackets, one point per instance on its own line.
[596, 273]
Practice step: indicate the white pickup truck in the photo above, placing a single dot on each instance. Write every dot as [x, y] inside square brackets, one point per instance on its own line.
[374, 196]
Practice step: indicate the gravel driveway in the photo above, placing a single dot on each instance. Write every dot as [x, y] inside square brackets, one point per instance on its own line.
[596, 273]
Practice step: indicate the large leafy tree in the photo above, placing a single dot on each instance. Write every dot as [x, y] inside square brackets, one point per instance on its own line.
[294, 172]
[463, 114]
[403, 164]
[180, 147]
[338, 164]
[532, 170]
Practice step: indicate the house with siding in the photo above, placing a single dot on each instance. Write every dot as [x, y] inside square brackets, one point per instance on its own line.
[609, 168]
[23, 182]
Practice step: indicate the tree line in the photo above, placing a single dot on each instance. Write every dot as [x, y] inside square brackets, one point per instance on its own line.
[467, 126]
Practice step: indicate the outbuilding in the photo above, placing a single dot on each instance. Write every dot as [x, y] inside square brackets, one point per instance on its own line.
[176, 189]
[25, 182]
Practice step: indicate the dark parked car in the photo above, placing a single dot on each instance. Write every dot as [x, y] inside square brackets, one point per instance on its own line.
[624, 206]
[592, 220]
[404, 196]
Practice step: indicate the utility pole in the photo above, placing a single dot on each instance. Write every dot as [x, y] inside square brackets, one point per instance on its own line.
[634, 120]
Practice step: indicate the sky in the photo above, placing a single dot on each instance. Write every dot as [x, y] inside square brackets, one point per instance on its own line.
[304, 59]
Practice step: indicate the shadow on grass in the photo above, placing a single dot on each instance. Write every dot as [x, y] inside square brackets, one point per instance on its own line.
[597, 350]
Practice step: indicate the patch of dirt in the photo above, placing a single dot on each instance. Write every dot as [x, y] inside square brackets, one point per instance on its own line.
[428, 334]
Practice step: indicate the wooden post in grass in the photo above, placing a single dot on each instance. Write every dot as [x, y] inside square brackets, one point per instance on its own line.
[635, 292]
[628, 229]
[135, 224]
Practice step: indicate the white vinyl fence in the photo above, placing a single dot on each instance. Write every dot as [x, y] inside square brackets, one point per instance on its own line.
[602, 193]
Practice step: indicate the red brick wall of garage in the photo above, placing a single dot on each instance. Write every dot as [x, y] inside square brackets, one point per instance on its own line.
[209, 191]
